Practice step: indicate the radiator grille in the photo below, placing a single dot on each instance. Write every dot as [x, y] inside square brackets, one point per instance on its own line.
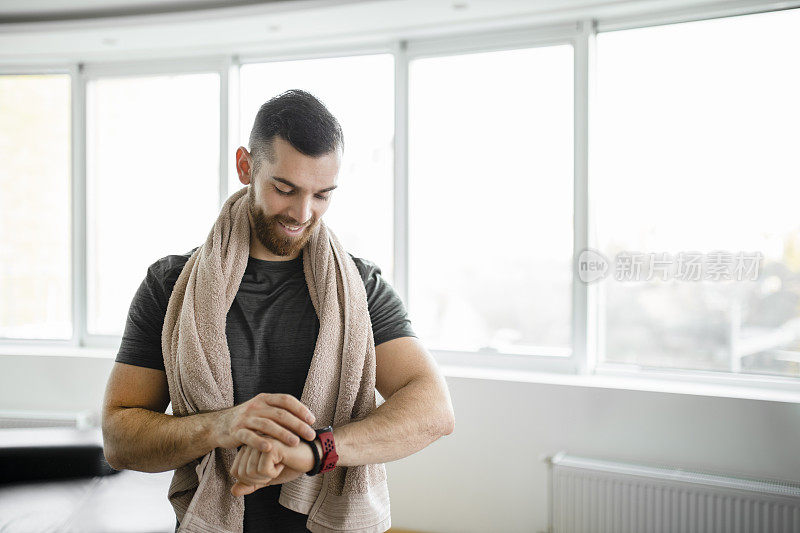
[47, 419]
[591, 495]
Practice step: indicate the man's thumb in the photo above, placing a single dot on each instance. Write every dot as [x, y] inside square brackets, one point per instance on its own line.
[240, 489]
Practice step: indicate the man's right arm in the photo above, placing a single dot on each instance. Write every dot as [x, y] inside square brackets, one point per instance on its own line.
[137, 435]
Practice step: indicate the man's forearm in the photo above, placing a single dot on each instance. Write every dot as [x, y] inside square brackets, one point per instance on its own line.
[147, 441]
[408, 421]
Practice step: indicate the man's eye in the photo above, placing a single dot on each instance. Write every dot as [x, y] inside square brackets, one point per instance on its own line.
[284, 193]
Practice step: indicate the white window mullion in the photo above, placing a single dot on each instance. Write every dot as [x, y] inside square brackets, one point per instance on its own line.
[584, 323]
[401, 171]
[78, 205]
[225, 131]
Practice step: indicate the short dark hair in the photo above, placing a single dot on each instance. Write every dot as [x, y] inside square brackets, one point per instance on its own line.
[300, 119]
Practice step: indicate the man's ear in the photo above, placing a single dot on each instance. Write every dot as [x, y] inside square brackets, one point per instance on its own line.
[244, 164]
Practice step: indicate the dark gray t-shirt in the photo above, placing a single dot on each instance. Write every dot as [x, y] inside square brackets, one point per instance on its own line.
[271, 331]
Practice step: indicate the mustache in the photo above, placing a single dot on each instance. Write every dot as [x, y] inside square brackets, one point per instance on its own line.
[294, 224]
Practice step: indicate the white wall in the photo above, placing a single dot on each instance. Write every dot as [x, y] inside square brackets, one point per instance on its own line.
[488, 475]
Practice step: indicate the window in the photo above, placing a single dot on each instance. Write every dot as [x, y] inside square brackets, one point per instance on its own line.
[359, 91]
[692, 174]
[35, 223]
[152, 181]
[695, 152]
[491, 200]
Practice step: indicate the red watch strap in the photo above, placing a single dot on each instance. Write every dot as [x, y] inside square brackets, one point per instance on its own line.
[329, 455]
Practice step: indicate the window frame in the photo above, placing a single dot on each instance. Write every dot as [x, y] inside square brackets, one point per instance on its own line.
[397, 50]
[99, 70]
[70, 69]
[677, 376]
[572, 34]
[579, 31]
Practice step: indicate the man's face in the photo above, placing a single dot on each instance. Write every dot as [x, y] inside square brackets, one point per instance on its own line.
[295, 191]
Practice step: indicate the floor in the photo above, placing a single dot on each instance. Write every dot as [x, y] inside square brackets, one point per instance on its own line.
[127, 501]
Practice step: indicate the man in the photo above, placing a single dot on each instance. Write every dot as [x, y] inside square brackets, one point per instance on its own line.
[291, 171]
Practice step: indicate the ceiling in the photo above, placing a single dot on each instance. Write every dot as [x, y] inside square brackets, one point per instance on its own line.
[56, 31]
[50, 10]
[27, 11]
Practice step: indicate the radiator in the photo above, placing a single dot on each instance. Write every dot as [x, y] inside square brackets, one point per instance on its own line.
[46, 419]
[592, 495]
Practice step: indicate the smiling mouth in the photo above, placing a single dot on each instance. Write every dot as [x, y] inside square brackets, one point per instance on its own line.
[292, 230]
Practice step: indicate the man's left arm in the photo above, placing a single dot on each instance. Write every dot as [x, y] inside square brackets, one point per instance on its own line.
[417, 410]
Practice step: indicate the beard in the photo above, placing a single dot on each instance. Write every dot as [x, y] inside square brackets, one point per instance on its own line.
[270, 234]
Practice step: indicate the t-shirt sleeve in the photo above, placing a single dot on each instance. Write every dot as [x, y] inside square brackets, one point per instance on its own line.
[141, 340]
[386, 310]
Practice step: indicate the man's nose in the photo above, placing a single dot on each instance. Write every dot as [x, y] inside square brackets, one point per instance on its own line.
[301, 210]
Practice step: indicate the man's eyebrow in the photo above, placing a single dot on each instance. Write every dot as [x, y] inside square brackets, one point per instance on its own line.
[290, 184]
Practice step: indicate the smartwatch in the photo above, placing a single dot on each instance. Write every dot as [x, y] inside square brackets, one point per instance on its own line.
[329, 455]
[317, 460]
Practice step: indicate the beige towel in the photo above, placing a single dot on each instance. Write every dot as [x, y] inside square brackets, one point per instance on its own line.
[340, 386]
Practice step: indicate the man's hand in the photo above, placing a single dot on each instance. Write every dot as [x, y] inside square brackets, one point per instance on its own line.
[280, 416]
[254, 469]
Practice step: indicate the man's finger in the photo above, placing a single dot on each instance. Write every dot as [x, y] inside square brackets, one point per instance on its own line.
[251, 466]
[236, 461]
[295, 425]
[290, 403]
[253, 439]
[242, 489]
[241, 474]
[275, 471]
[287, 474]
[285, 419]
[271, 428]
[263, 463]
[240, 471]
